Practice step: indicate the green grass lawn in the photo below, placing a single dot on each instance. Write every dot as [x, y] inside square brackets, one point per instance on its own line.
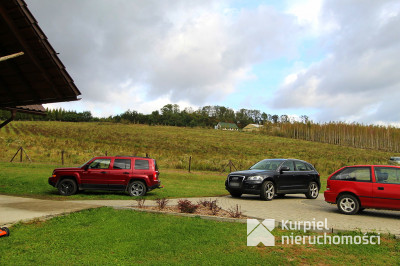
[121, 237]
[30, 179]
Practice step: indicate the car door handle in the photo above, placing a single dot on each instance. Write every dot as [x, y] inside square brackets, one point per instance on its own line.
[126, 173]
[103, 172]
[381, 188]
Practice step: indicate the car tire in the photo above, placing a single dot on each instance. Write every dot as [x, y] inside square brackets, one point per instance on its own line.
[313, 191]
[6, 230]
[137, 189]
[348, 204]
[235, 194]
[267, 190]
[67, 187]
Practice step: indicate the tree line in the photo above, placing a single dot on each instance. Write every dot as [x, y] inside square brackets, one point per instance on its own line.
[170, 115]
[377, 137]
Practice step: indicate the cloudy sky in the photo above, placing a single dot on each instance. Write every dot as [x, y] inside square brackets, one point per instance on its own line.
[330, 60]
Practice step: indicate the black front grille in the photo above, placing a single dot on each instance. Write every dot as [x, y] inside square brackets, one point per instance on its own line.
[235, 181]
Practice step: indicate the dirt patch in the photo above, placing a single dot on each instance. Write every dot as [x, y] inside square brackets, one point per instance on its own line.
[201, 210]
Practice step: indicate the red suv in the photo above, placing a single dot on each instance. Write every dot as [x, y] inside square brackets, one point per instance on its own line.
[136, 175]
[354, 188]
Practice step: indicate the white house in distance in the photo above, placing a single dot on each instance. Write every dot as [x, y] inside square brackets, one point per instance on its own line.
[226, 126]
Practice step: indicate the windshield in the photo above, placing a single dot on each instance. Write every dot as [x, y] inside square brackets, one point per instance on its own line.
[271, 165]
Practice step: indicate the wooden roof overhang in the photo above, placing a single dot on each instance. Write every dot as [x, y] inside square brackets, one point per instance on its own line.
[30, 71]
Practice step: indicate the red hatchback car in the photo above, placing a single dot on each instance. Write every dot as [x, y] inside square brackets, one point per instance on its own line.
[354, 188]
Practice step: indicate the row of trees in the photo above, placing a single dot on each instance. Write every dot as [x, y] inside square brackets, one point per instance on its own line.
[356, 135]
[170, 114]
[52, 115]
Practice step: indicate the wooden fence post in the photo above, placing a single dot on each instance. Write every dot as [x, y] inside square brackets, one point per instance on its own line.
[21, 150]
[190, 162]
[15, 154]
[62, 157]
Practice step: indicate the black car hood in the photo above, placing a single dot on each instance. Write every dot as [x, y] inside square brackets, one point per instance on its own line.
[253, 172]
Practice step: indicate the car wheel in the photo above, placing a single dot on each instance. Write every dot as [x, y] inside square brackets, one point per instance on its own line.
[236, 194]
[348, 204]
[267, 190]
[6, 230]
[67, 187]
[137, 189]
[313, 191]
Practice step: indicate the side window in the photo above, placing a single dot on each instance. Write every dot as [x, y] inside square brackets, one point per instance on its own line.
[122, 164]
[360, 174]
[289, 164]
[300, 166]
[309, 167]
[388, 175]
[141, 164]
[100, 164]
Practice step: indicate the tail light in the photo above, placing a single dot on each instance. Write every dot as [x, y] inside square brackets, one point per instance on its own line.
[328, 187]
[156, 176]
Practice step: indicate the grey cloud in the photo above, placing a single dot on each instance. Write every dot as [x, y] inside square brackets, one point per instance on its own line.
[361, 72]
[161, 45]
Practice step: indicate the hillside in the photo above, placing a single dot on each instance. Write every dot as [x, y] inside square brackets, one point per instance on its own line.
[210, 149]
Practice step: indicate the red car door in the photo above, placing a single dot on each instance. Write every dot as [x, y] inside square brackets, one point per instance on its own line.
[95, 175]
[386, 187]
[119, 173]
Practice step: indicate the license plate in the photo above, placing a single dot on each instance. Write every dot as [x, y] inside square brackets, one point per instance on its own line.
[234, 184]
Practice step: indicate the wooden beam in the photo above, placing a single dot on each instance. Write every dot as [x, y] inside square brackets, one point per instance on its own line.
[4, 58]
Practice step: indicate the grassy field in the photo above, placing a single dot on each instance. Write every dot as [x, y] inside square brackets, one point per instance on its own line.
[90, 238]
[30, 179]
[210, 149]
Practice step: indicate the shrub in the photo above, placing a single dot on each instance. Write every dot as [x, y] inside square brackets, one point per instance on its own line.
[161, 203]
[187, 206]
[140, 202]
[235, 212]
[211, 205]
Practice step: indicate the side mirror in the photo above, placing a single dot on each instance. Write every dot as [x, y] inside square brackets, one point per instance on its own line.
[86, 167]
[284, 168]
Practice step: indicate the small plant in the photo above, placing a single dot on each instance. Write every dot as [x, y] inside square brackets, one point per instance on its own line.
[161, 203]
[187, 206]
[211, 205]
[214, 207]
[235, 212]
[203, 203]
[140, 202]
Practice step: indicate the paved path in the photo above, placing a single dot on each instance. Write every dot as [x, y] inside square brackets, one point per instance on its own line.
[291, 208]
[15, 209]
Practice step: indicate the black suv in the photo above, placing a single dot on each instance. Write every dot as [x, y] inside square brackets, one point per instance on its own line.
[275, 177]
